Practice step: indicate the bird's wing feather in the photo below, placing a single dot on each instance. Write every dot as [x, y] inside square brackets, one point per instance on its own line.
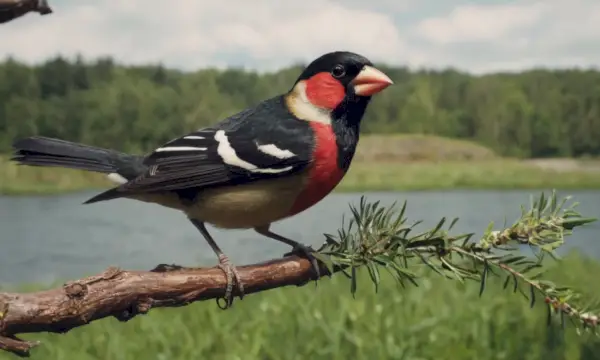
[263, 142]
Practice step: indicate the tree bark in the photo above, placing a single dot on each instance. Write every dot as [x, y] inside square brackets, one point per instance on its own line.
[125, 294]
[12, 9]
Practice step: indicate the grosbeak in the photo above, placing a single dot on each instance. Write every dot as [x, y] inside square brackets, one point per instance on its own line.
[256, 167]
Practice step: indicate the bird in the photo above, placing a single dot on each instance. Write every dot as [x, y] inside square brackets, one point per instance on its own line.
[261, 165]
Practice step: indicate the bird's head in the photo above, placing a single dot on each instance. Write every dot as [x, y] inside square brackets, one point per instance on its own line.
[336, 84]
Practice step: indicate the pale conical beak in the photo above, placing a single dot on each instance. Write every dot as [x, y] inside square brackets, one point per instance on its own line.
[370, 81]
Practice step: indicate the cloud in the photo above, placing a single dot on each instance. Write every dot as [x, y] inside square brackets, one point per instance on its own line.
[193, 33]
[473, 23]
[522, 34]
[267, 34]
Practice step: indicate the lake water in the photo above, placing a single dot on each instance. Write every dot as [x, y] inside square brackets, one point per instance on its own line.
[52, 238]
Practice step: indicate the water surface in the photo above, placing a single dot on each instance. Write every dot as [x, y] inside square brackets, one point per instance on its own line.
[51, 238]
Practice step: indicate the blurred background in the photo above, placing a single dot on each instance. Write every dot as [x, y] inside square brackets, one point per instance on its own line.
[493, 101]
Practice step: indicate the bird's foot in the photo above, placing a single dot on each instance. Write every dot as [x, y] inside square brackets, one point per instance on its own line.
[231, 273]
[306, 251]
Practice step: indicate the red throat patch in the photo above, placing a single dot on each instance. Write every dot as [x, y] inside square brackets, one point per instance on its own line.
[324, 91]
[324, 173]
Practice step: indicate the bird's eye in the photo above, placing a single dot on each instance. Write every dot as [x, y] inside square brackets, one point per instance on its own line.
[338, 71]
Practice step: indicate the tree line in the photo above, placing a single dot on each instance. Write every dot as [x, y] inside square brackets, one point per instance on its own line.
[535, 113]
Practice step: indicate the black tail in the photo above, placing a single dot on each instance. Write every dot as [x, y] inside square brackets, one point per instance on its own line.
[43, 151]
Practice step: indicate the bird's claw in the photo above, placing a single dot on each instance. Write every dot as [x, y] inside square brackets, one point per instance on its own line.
[306, 251]
[231, 273]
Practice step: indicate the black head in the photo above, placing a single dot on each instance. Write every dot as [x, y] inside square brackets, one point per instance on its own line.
[335, 89]
[341, 76]
[343, 66]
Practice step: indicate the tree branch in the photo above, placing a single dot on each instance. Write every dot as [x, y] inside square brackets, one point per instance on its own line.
[12, 9]
[125, 294]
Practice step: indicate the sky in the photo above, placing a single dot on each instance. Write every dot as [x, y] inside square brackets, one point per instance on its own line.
[479, 36]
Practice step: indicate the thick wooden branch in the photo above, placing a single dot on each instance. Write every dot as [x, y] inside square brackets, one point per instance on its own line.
[125, 294]
[12, 9]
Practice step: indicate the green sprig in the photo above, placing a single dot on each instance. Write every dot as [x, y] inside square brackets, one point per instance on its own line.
[379, 237]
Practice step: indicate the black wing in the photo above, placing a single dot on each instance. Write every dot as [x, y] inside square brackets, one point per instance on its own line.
[263, 142]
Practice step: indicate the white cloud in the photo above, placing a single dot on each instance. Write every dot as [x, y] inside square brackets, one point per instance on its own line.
[192, 33]
[517, 35]
[266, 34]
[472, 23]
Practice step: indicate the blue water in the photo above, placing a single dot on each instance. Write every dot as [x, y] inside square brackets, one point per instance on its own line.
[54, 238]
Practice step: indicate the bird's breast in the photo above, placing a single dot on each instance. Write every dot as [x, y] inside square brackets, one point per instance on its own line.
[324, 173]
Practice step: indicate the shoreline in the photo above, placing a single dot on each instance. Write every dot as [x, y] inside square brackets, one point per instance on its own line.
[492, 174]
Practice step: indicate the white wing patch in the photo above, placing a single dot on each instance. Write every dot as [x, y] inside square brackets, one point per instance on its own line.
[114, 177]
[180, 148]
[229, 156]
[194, 137]
[274, 151]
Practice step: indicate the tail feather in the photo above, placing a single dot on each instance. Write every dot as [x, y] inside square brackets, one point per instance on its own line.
[40, 159]
[105, 195]
[43, 151]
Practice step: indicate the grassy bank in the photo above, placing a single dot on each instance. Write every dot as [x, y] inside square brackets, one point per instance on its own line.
[399, 162]
[441, 319]
[480, 174]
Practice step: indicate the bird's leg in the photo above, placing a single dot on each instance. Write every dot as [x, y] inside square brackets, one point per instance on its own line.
[224, 264]
[298, 248]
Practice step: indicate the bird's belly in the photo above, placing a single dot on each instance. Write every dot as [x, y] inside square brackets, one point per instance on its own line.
[243, 206]
[249, 205]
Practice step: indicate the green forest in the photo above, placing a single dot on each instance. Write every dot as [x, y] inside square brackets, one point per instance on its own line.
[536, 113]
